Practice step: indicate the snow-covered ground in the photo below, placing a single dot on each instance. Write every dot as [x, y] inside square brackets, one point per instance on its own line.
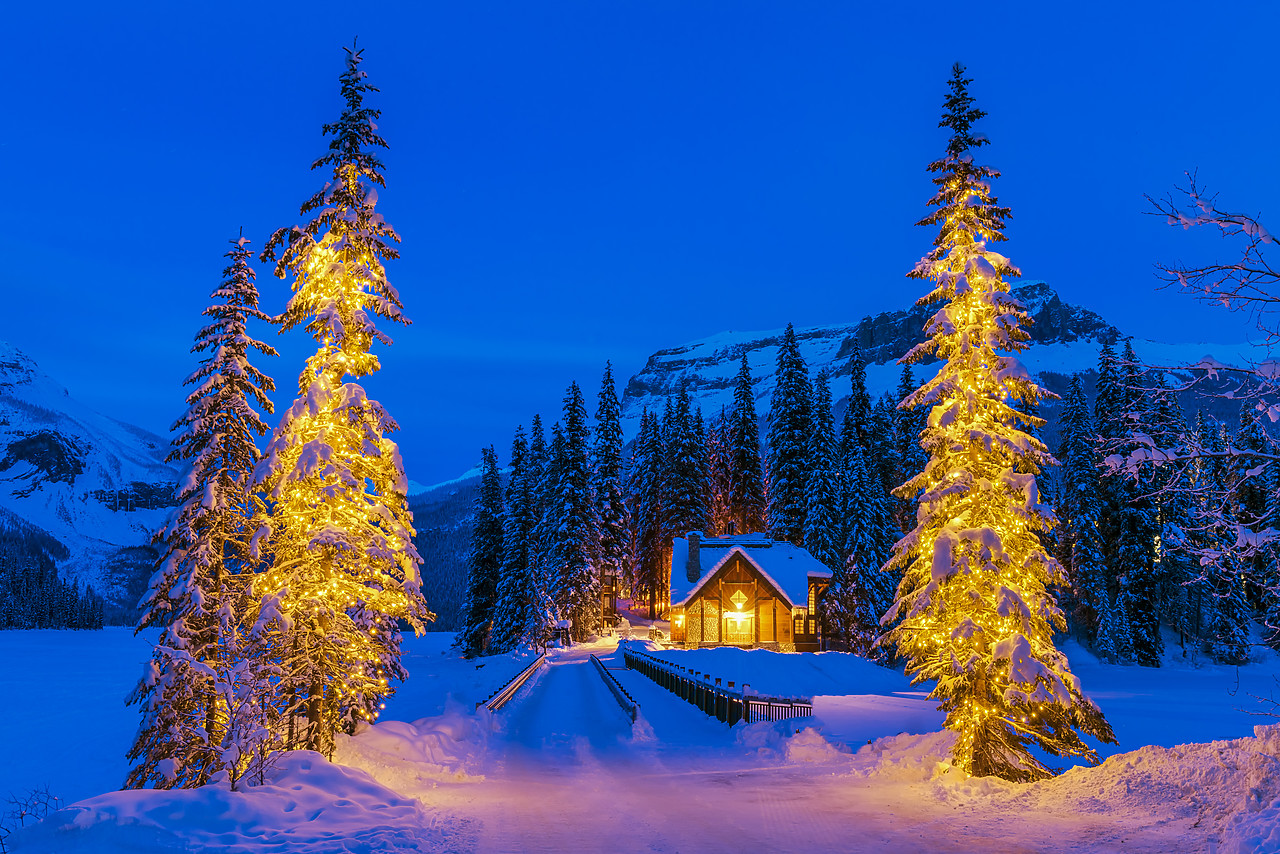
[561, 768]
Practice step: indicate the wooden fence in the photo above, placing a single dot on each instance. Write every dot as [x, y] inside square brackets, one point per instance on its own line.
[499, 698]
[630, 706]
[726, 703]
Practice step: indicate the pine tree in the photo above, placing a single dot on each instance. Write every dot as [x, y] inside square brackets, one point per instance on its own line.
[1270, 609]
[1175, 568]
[1079, 511]
[1227, 613]
[883, 456]
[1138, 528]
[613, 520]
[339, 536]
[790, 422]
[685, 471]
[520, 598]
[977, 614]
[1249, 496]
[484, 563]
[868, 530]
[858, 411]
[822, 529]
[719, 477]
[747, 505]
[702, 466]
[910, 458]
[196, 596]
[1108, 422]
[860, 592]
[648, 511]
[576, 584]
[543, 544]
[526, 613]
[539, 460]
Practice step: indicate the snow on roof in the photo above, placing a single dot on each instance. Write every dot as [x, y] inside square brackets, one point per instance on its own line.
[788, 568]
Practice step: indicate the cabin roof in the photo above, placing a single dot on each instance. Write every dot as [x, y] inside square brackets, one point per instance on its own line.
[788, 568]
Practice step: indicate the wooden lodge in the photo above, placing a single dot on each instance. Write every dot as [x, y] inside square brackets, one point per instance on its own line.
[747, 591]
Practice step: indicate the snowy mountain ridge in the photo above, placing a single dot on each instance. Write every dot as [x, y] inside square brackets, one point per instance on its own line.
[97, 485]
[1065, 339]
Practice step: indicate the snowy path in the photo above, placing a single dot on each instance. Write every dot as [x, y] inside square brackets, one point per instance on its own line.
[560, 769]
[567, 774]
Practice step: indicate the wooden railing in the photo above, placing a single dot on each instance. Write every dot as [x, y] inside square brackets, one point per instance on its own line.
[630, 706]
[499, 698]
[726, 703]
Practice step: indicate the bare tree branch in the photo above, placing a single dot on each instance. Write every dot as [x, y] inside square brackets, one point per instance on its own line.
[1250, 284]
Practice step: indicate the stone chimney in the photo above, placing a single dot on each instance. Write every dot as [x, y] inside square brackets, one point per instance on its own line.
[692, 566]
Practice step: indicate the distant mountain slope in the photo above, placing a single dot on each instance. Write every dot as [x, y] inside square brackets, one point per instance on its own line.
[96, 485]
[442, 516]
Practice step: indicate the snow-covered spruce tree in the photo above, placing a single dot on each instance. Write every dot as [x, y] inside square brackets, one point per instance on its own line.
[747, 506]
[339, 535]
[822, 522]
[613, 520]
[1226, 617]
[1135, 559]
[539, 460]
[542, 542]
[645, 488]
[196, 678]
[858, 411]
[1109, 424]
[719, 476]
[685, 476]
[509, 598]
[977, 614]
[573, 537]
[484, 562]
[1175, 565]
[860, 592]
[1270, 610]
[789, 424]
[1249, 498]
[883, 453]
[910, 459]
[522, 612]
[1078, 511]
[702, 460]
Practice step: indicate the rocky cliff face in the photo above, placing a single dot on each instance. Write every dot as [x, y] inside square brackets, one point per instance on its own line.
[707, 368]
[96, 485]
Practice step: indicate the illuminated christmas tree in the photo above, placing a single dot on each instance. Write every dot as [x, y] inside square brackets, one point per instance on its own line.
[339, 536]
[197, 688]
[976, 612]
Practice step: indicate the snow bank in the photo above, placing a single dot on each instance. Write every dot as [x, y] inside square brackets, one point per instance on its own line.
[1228, 790]
[307, 804]
[413, 757]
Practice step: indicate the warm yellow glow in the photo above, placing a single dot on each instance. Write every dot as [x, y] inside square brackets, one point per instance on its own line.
[977, 615]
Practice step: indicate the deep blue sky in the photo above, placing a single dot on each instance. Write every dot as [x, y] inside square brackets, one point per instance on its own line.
[582, 181]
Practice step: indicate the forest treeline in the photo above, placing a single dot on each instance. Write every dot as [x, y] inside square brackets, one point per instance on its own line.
[1141, 549]
[32, 595]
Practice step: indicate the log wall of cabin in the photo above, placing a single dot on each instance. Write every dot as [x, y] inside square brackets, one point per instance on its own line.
[705, 619]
